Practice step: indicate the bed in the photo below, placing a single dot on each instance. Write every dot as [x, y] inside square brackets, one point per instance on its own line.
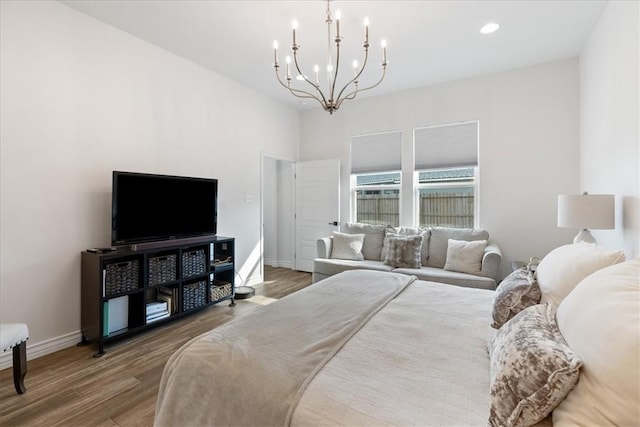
[378, 348]
[408, 352]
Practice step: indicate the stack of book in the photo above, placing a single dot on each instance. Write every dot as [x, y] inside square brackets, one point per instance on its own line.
[157, 310]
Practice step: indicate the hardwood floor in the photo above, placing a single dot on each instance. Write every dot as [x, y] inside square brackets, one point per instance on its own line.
[72, 388]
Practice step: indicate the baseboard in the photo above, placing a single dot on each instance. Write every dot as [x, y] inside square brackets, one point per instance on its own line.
[42, 348]
[275, 263]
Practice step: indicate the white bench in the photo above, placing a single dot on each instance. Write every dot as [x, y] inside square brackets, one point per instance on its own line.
[15, 336]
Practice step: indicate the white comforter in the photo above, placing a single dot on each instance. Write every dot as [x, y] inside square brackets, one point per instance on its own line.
[422, 360]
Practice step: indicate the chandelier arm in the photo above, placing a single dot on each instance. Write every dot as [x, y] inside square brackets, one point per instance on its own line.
[364, 64]
[335, 74]
[295, 92]
[317, 87]
[353, 94]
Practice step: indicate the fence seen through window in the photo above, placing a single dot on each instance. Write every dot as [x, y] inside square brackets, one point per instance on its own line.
[446, 198]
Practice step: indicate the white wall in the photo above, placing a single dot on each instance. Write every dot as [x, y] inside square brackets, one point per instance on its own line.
[79, 99]
[609, 120]
[529, 135]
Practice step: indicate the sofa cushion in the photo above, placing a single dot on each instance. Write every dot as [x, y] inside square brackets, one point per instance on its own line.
[450, 277]
[403, 251]
[373, 238]
[564, 267]
[600, 319]
[330, 267]
[347, 246]
[439, 242]
[465, 257]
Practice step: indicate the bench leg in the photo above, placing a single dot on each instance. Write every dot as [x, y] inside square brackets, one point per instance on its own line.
[20, 366]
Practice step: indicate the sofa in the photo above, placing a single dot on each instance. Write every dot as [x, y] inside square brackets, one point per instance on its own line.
[456, 256]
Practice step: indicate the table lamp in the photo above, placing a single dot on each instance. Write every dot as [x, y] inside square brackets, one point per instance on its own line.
[586, 211]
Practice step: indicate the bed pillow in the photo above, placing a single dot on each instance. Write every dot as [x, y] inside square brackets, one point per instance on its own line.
[403, 251]
[347, 246]
[465, 257]
[373, 238]
[532, 368]
[600, 319]
[564, 267]
[516, 292]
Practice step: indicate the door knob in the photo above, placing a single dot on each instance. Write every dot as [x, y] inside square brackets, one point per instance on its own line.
[334, 223]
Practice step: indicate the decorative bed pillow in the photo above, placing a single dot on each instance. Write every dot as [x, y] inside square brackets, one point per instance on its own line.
[600, 319]
[516, 292]
[464, 256]
[403, 251]
[564, 267]
[347, 246]
[373, 238]
[532, 368]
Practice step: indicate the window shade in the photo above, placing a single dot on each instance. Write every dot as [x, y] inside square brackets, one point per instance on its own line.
[379, 152]
[453, 145]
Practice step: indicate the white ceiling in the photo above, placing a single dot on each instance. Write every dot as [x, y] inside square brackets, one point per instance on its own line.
[428, 41]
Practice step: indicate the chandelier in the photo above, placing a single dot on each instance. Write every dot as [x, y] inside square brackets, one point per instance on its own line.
[327, 98]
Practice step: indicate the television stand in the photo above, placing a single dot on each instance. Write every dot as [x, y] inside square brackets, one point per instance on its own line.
[127, 291]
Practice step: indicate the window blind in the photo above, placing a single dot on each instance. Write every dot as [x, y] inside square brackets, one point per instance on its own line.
[378, 152]
[444, 146]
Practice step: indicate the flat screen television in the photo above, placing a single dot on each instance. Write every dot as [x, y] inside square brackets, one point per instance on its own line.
[149, 207]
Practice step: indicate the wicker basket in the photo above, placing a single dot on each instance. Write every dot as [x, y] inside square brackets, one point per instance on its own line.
[121, 277]
[194, 295]
[193, 263]
[162, 269]
[219, 289]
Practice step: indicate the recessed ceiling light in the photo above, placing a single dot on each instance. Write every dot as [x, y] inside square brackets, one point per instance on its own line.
[491, 27]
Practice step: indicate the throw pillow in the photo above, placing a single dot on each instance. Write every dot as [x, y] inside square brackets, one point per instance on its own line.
[600, 319]
[465, 257]
[516, 292]
[404, 251]
[532, 368]
[408, 231]
[347, 246]
[440, 242]
[564, 267]
[373, 238]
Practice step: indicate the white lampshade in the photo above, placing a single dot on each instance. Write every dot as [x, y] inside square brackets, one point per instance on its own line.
[586, 211]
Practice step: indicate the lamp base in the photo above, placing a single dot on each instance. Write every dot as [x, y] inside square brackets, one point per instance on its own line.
[584, 236]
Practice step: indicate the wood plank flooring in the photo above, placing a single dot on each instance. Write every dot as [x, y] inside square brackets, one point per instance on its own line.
[72, 388]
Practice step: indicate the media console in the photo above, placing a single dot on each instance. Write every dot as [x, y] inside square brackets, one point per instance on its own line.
[129, 290]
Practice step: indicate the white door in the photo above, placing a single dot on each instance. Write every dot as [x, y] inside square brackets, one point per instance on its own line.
[317, 207]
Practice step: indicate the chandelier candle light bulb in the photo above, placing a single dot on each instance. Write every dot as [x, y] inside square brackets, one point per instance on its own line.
[330, 99]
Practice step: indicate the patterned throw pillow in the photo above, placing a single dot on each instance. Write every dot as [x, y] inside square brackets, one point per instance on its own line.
[347, 246]
[407, 231]
[517, 291]
[532, 368]
[403, 251]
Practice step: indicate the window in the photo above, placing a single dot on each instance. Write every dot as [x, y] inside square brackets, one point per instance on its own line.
[375, 178]
[446, 169]
[377, 198]
[446, 198]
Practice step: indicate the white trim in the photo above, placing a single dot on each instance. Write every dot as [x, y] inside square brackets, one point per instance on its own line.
[43, 348]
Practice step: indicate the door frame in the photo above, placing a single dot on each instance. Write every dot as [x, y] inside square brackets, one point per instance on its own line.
[292, 163]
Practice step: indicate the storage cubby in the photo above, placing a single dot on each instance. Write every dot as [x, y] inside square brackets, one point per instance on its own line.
[127, 291]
